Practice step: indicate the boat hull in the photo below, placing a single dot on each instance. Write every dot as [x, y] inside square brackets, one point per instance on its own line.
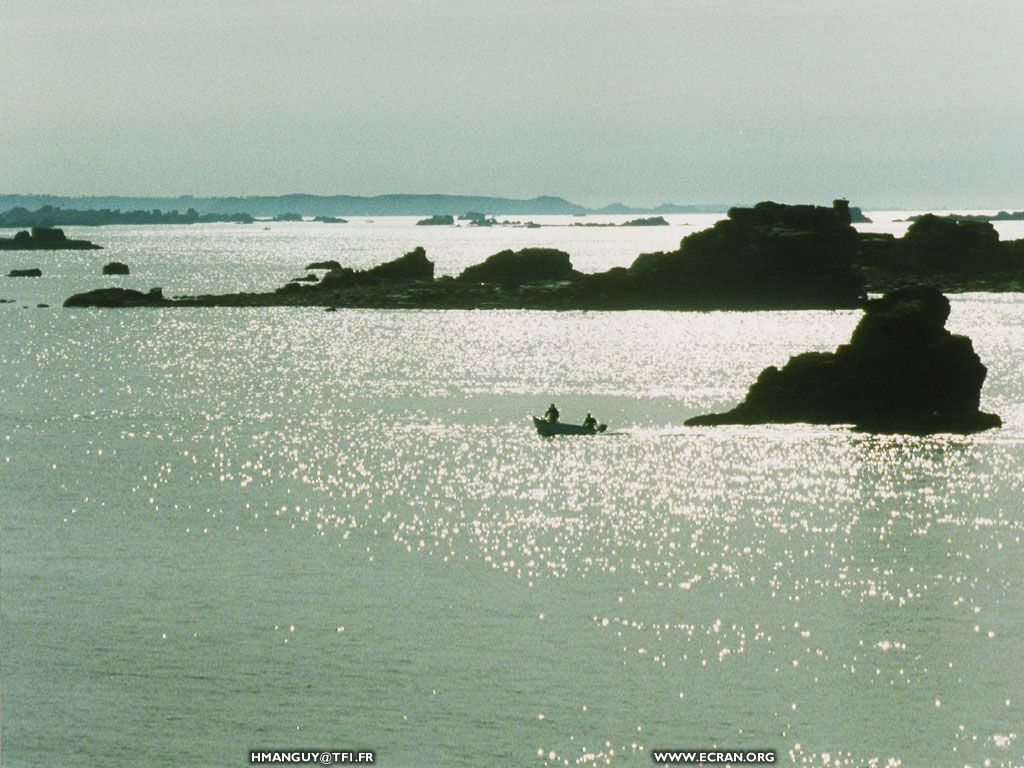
[551, 428]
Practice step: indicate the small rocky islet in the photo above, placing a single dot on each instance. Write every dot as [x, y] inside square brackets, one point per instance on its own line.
[901, 372]
[45, 239]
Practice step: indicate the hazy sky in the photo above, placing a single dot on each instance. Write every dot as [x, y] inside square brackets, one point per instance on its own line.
[909, 102]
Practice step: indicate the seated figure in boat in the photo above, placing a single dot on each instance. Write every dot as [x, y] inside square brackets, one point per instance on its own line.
[590, 422]
[551, 414]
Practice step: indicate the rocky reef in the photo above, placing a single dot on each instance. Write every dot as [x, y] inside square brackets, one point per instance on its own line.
[768, 257]
[116, 268]
[44, 239]
[31, 272]
[901, 372]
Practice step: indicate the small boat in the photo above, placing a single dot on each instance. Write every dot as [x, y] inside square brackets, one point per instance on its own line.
[547, 428]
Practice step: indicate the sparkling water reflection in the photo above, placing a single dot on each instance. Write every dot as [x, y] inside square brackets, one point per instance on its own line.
[225, 529]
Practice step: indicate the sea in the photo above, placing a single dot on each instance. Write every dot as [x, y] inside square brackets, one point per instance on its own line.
[235, 529]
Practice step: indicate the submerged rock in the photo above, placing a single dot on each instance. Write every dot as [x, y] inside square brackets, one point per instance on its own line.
[33, 272]
[902, 371]
[530, 265]
[115, 268]
[118, 297]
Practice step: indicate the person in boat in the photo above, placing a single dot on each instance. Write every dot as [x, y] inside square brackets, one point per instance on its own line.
[551, 414]
[590, 422]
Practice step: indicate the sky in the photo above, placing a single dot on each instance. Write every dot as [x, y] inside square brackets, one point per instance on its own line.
[891, 103]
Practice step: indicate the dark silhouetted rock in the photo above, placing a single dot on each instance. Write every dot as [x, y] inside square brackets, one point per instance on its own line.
[44, 239]
[332, 264]
[116, 268]
[946, 253]
[342, 277]
[771, 255]
[412, 266]
[437, 220]
[652, 221]
[305, 279]
[330, 220]
[902, 371]
[118, 297]
[932, 242]
[33, 272]
[530, 265]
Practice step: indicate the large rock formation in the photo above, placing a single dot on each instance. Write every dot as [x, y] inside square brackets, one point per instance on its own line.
[530, 265]
[901, 372]
[771, 255]
[44, 239]
[31, 272]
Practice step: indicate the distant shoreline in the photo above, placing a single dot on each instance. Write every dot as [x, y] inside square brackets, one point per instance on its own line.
[347, 205]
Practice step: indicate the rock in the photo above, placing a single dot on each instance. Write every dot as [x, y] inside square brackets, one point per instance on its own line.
[530, 265]
[34, 272]
[332, 264]
[653, 221]
[412, 266]
[42, 306]
[44, 239]
[342, 277]
[118, 297]
[436, 220]
[288, 217]
[771, 255]
[936, 243]
[115, 268]
[330, 220]
[902, 371]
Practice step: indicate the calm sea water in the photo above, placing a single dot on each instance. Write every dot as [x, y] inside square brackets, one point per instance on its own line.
[228, 529]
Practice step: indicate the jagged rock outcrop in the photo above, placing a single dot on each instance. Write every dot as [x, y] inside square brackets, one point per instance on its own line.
[116, 268]
[530, 265]
[330, 264]
[119, 297]
[902, 371]
[44, 239]
[412, 267]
